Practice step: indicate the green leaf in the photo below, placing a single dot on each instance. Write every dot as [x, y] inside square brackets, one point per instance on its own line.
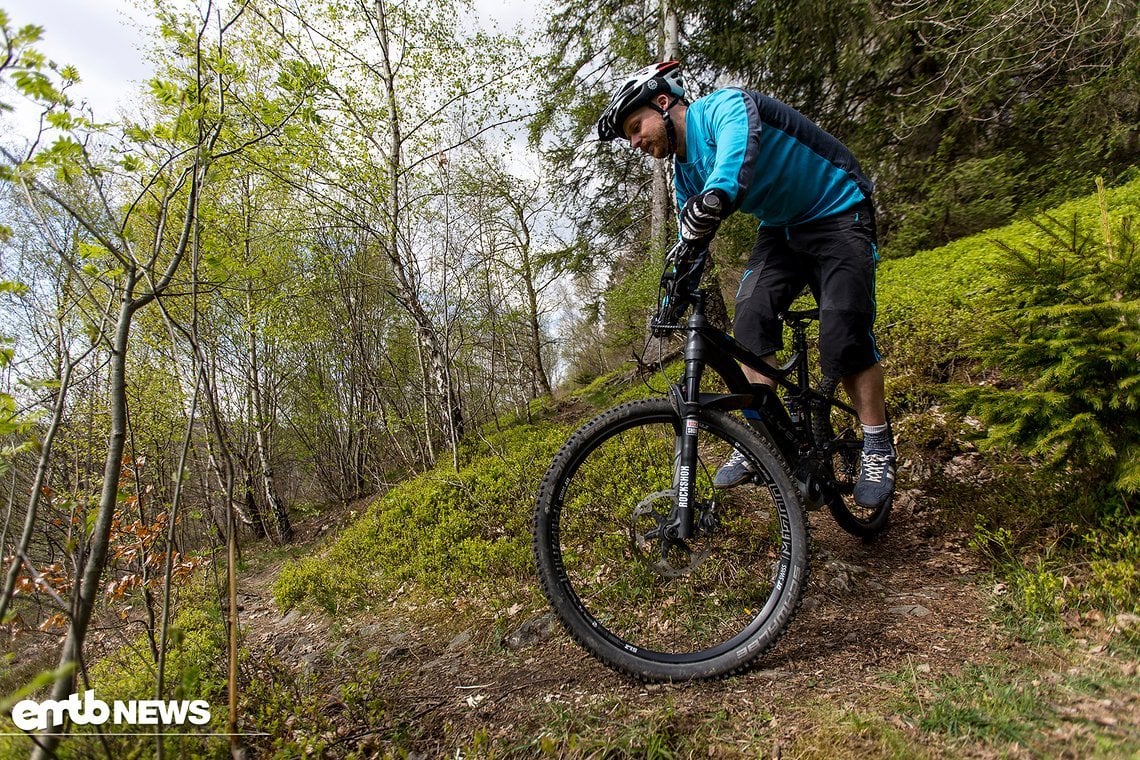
[60, 120]
[165, 92]
[36, 86]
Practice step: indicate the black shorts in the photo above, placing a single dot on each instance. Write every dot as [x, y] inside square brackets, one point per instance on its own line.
[835, 257]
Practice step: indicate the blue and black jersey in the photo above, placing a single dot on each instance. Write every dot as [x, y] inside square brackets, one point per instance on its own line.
[771, 160]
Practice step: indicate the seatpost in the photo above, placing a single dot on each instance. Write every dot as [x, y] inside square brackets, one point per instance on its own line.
[799, 346]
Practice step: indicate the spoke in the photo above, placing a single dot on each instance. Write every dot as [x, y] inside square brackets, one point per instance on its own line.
[669, 595]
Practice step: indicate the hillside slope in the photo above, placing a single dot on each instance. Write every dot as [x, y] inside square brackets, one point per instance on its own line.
[903, 647]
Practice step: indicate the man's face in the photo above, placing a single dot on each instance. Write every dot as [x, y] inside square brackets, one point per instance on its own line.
[646, 132]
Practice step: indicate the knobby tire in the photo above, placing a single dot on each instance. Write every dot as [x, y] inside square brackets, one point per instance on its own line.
[640, 604]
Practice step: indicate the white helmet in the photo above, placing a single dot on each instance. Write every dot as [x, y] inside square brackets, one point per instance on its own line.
[639, 89]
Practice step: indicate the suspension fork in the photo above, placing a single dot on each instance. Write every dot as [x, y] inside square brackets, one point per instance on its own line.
[686, 399]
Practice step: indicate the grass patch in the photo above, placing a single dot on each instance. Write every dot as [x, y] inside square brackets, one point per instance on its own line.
[986, 703]
[607, 727]
[445, 530]
[1008, 708]
[856, 733]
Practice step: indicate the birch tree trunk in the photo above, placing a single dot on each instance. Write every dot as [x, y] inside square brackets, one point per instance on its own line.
[260, 423]
[446, 398]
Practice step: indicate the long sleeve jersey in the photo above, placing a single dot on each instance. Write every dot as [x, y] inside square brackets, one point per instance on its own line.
[771, 160]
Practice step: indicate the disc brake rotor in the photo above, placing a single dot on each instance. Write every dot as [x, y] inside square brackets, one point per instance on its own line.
[650, 539]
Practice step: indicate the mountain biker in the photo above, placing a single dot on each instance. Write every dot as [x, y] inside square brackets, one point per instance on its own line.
[735, 149]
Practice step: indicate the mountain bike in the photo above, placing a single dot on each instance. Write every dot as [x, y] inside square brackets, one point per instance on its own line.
[649, 566]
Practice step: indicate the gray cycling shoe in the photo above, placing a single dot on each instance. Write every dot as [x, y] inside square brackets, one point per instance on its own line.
[733, 472]
[876, 479]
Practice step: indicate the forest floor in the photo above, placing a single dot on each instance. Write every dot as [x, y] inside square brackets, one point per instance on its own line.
[901, 649]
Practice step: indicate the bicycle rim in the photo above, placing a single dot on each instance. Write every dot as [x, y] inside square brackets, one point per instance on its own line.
[643, 605]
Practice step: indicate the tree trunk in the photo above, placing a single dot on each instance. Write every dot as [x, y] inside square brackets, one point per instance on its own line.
[663, 198]
[37, 491]
[528, 276]
[88, 591]
[265, 465]
[447, 400]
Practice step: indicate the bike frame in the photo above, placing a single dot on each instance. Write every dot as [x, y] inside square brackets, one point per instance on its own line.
[707, 346]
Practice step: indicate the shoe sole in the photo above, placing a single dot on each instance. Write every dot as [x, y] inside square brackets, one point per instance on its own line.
[877, 505]
[734, 483]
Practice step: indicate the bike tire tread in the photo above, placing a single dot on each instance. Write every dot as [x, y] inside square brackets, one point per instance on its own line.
[545, 498]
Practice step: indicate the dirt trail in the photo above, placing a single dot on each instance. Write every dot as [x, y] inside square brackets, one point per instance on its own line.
[907, 603]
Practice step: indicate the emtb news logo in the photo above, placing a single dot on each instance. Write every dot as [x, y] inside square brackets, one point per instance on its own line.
[30, 715]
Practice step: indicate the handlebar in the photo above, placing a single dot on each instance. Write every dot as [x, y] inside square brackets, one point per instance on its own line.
[684, 266]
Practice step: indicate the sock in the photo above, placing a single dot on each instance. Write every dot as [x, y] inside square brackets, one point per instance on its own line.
[877, 439]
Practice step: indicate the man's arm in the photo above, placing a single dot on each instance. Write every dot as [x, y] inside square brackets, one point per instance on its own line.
[732, 122]
[729, 123]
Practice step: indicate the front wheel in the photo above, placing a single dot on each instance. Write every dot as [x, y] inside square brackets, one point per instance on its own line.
[638, 598]
[835, 434]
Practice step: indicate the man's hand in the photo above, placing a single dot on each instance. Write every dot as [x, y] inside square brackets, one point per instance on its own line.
[677, 258]
[701, 216]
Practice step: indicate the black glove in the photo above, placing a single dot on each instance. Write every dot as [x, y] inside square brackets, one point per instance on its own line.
[702, 215]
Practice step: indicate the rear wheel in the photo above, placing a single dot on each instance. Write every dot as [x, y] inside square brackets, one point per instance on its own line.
[837, 433]
[641, 600]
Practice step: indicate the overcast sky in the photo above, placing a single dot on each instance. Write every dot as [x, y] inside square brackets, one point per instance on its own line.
[100, 37]
[105, 40]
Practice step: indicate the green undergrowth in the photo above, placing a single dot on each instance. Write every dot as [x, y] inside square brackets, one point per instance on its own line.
[1089, 574]
[446, 530]
[1014, 370]
[457, 532]
[195, 669]
[934, 304]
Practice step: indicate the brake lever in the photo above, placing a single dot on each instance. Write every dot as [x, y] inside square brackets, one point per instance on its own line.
[675, 255]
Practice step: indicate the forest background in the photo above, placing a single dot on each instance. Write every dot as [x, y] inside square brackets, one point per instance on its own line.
[335, 245]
